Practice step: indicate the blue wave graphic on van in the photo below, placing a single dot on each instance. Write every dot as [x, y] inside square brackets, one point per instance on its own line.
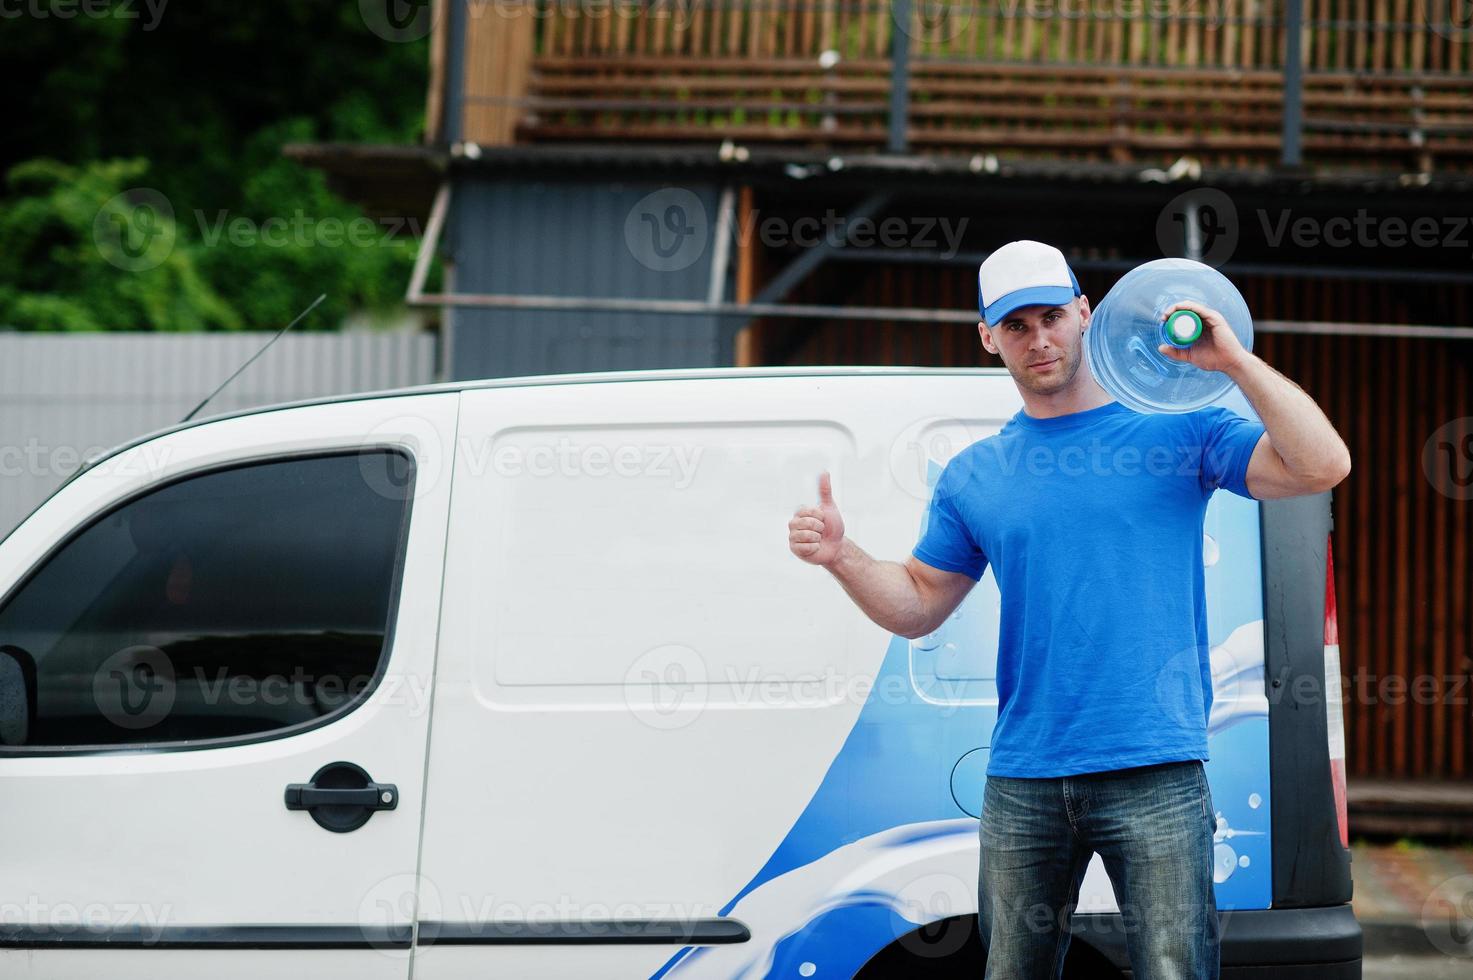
[875, 853]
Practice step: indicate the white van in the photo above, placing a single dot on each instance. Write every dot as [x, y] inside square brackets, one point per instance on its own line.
[518, 678]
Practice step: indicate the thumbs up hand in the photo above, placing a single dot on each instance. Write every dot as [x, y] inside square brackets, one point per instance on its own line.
[815, 533]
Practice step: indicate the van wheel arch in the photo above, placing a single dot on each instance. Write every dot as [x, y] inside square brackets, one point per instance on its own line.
[951, 948]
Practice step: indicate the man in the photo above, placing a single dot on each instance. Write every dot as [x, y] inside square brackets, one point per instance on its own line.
[1091, 518]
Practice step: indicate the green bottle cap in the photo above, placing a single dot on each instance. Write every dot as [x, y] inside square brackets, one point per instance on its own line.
[1182, 328]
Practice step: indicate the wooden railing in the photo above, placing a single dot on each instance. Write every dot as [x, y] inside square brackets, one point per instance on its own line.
[1382, 83]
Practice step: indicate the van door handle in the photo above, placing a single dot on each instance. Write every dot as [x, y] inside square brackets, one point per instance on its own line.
[305, 796]
[341, 797]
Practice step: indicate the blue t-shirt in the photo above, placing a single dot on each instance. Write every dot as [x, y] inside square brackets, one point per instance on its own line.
[1092, 523]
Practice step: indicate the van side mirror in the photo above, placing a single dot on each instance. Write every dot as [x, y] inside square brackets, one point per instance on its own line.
[17, 695]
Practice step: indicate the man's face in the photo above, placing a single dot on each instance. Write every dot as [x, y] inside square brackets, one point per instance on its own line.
[1041, 345]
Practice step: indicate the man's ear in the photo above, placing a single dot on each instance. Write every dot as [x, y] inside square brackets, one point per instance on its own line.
[1084, 312]
[986, 336]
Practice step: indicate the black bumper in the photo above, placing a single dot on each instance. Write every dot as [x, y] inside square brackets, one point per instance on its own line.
[1267, 944]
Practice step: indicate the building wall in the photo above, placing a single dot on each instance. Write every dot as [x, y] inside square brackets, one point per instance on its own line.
[66, 397]
[626, 239]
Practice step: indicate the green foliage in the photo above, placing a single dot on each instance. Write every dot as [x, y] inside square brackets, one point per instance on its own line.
[290, 238]
[191, 107]
[61, 268]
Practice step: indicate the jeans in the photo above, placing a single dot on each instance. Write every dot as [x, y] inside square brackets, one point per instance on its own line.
[1152, 827]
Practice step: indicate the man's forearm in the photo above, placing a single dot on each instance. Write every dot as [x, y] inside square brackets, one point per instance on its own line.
[885, 590]
[1302, 435]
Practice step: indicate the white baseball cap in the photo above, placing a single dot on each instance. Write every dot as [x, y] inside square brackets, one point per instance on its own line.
[1023, 273]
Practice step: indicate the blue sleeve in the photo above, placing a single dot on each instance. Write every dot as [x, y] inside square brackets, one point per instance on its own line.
[1227, 442]
[945, 541]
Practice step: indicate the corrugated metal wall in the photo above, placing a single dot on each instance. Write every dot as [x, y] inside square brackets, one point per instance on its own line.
[1403, 535]
[1401, 539]
[64, 397]
[635, 239]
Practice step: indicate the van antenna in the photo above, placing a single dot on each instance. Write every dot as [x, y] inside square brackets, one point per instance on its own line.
[257, 354]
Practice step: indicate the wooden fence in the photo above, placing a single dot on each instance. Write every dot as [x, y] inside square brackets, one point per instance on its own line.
[1376, 35]
[1387, 81]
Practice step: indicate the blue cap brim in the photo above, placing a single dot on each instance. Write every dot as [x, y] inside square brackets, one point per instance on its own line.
[1032, 296]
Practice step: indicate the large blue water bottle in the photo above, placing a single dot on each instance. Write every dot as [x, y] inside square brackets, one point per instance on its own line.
[1130, 323]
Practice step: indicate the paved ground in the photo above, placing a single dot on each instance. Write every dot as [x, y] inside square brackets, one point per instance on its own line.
[1406, 967]
[1415, 904]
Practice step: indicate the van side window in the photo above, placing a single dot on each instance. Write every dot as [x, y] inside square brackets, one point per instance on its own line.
[234, 603]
